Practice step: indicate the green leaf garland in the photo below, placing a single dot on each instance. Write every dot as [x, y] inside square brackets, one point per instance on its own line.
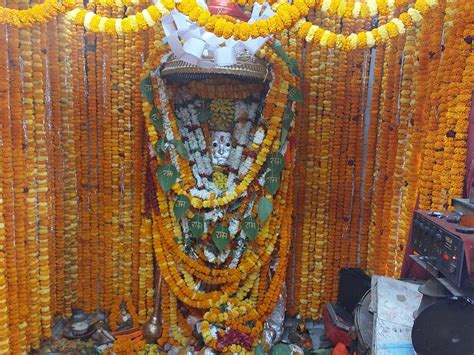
[167, 175]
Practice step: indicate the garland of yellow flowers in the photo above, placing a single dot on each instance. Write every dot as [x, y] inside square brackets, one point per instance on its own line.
[343, 8]
[359, 9]
[39, 13]
[141, 21]
[367, 39]
[285, 18]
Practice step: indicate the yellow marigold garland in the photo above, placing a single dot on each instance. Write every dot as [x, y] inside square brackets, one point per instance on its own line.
[117, 26]
[358, 9]
[369, 39]
[38, 13]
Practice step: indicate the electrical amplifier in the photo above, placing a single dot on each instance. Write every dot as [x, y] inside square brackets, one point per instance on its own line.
[445, 246]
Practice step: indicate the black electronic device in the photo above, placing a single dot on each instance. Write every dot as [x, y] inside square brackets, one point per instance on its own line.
[447, 252]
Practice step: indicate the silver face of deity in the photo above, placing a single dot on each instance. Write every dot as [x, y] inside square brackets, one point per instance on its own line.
[220, 147]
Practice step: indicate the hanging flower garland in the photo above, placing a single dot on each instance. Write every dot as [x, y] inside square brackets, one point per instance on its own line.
[359, 9]
[367, 39]
[343, 8]
[141, 21]
[39, 13]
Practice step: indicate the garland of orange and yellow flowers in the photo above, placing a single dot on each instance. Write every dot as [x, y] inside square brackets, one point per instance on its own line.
[39, 13]
[367, 39]
[285, 18]
[342, 8]
[184, 289]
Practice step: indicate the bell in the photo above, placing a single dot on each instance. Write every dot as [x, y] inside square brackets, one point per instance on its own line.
[226, 8]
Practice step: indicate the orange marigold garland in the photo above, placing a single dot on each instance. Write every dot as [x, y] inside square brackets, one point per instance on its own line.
[143, 271]
[92, 245]
[65, 44]
[56, 151]
[44, 232]
[126, 143]
[338, 142]
[307, 243]
[19, 181]
[455, 105]
[17, 335]
[114, 107]
[34, 319]
[101, 63]
[373, 261]
[5, 305]
[80, 157]
[108, 142]
[403, 160]
[139, 166]
[432, 34]
[379, 54]
[359, 83]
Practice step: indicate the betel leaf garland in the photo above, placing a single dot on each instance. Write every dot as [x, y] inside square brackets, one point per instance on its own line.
[264, 209]
[181, 205]
[250, 227]
[221, 237]
[167, 175]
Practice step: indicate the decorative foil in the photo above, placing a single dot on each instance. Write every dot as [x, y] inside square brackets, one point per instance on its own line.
[196, 46]
[273, 327]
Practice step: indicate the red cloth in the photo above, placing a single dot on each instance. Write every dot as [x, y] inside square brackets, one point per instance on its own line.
[334, 334]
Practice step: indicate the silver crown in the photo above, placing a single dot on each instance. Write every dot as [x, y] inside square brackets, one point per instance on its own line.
[247, 68]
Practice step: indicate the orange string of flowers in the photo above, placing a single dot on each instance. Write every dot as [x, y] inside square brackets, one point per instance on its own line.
[57, 171]
[15, 333]
[65, 43]
[34, 319]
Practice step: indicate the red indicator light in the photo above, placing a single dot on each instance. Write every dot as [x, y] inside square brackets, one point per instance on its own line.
[446, 257]
[454, 257]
